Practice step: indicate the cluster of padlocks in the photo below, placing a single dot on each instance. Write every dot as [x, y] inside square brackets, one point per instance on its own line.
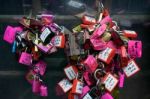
[32, 40]
[100, 57]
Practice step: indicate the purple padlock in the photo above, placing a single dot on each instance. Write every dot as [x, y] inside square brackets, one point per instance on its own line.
[98, 44]
[43, 91]
[88, 78]
[36, 85]
[25, 58]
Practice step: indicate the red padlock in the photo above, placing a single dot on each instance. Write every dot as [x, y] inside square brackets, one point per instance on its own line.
[129, 33]
[77, 87]
[59, 41]
[88, 20]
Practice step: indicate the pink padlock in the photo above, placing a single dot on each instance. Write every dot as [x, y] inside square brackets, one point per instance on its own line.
[105, 20]
[9, 34]
[98, 44]
[85, 90]
[25, 58]
[91, 63]
[43, 90]
[41, 67]
[106, 96]
[44, 48]
[135, 48]
[99, 31]
[121, 80]
[36, 86]
[88, 78]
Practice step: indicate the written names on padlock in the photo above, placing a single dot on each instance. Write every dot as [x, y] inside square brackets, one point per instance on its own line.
[131, 68]
[110, 82]
[65, 85]
[77, 87]
[71, 72]
[107, 55]
[88, 78]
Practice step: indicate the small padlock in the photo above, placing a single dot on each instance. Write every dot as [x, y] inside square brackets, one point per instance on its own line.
[65, 85]
[71, 72]
[85, 90]
[43, 91]
[91, 63]
[36, 85]
[30, 76]
[88, 20]
[77, 87]
[59, 41]
[124, 56]
[25, 58]
[135, 48]
[107, 55]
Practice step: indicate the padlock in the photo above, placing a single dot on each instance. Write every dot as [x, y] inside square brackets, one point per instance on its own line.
[129, 33]
[107, 55]
[59, 41]
[46, 35]
[91, 63]
[65, 85]
[106, 96]
[99, 31]
[106, 36]
[77, 29]
[121, 80]
[25, 22]
[71, 72]
[88, 78]
[106, 20]
[36, 85]
[73, 96]
[85, 90]
[135, 48]
[25, 58]
[47, 19]
[30, 76]
[88, 20]
[40, 67]
[116, 38]
[77, 86]
[43, 91]
[110, 82]
[98, 44]
[124, 56]
[55, 28]
[45, 48]
[9, 34]
[99, 73]
[131, 68]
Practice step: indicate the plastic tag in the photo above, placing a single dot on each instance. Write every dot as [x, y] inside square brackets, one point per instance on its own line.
[106, 96]
[9, 34]
[135, 48]
[25, 58]
[110, 82]
[77, 87]
[124, 57]
[105, 20]
[87, 96]
[43, 91]
[42, 67]
[99, 31]
[65, 85]
[107, 55]
[129, 33]
[91, 63]
[71, 72]
[131, 68]
[98, 44]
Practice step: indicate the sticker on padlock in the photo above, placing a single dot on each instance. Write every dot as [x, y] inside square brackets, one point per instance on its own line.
[73, 96]
[85, 90]
[87, 96]
[25, 58]
[99, 31]
[45, 33]
[71, 72]
[41, 65]
[107, 55]
[91, 63]
[106, 96]
[129, 33]
[121, 80]
[135, 48]
[98, 44]
[36, 86]
[131, 68]
[59, 41]
[105, 20]
[88, 78]
[77, 87]
[110, 82]
[88, 20]
[9, 34]
[43, 91]
[65, 85]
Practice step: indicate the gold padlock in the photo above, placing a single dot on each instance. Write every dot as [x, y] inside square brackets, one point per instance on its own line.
[106, 36]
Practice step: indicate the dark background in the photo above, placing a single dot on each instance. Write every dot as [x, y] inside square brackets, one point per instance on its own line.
[131, 14]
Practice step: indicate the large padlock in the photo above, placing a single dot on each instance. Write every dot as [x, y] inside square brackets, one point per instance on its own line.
[88, 78]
